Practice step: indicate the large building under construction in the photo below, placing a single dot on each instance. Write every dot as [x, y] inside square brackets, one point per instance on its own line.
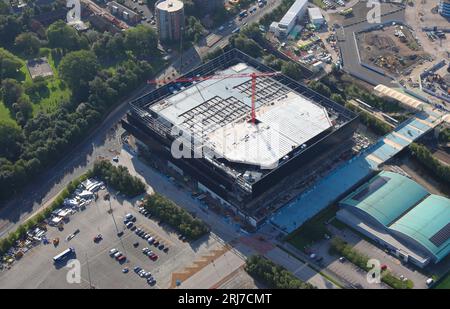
[204, 128]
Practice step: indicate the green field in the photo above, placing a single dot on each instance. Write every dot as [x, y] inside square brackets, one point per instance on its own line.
[57, 90]
[4, 113]
[445, 283]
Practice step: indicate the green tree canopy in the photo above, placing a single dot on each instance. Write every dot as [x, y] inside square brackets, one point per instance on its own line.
[141, 40]
[11, 139]
[10, 27]
[78, 68]
[28, 42]
[60, 35]
[9, 64]
[11, 91]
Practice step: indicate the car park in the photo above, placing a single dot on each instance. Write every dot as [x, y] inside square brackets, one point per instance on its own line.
[136, 244]
[161, 247]
[117, 254]
[113, 251]
[125, 270]
[129, 225]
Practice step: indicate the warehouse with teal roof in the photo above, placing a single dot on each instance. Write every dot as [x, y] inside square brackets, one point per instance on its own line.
[402, 216]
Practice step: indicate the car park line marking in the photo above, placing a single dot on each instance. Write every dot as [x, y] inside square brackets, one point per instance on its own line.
[155, 235]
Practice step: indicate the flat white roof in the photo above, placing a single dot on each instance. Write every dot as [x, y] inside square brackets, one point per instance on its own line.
[218, 111]
[170, 5]
[315, 13]
[293, 11]
[282, 127]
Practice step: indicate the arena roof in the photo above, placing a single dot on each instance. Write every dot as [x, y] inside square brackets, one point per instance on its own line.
[216, 113]
[403, 206]
[429, 224]
[386, 197]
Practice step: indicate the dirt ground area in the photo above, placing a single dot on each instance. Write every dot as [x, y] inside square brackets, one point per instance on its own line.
[423, 13]
[419, 174]
[388, 50]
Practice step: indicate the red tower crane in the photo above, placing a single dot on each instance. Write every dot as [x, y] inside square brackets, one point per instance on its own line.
[253, 76]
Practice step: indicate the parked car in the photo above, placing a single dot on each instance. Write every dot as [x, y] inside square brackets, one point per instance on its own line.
[98, 238]
[136, 244]
[113, 251]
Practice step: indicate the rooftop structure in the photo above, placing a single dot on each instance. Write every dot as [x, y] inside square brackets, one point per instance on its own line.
[123, 12]
[215, 113]
[235, 160]
[169, 19]
[444, 8]
[315, 16]
[399, 213]
[296, 11]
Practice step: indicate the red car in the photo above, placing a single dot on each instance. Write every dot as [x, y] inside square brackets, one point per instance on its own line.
[153, 257]
[384, 267]
[122, 258]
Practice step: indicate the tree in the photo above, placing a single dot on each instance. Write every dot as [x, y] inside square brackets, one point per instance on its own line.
[28, 43]
[11, 91]
[141, 41]
[78, 69]
[23, 110]
[194, 29]
[10, 27]
[62, 36]
[245, 44]
[4, 8]
[11, 139]
[292, 70]
[9, 64]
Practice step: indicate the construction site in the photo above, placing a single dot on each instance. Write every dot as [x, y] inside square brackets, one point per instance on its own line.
[392, 48]
[247, 133]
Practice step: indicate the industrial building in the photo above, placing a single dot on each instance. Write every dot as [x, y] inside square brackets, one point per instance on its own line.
[123, 12]
[169, 19]
[444, 8]
[287, 23]
[316, 17]
[241, 163]
[402, 216]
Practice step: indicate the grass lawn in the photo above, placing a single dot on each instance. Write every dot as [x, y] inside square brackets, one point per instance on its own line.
[444, 284]
[312, 230]
[58, 91]
[4, 113]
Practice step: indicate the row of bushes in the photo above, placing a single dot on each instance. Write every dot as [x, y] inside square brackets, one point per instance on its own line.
[425, 157]
[119, 178]
[376, 125]
[175, 216]
[19, 233]
[339, 246]
[272, 275]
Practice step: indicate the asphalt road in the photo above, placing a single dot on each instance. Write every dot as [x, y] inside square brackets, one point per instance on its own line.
[79, 159]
